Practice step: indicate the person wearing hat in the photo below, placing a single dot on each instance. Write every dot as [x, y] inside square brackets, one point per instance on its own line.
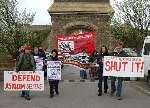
[26, 63]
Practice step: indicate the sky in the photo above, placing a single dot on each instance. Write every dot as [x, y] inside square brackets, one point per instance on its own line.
[40, 7]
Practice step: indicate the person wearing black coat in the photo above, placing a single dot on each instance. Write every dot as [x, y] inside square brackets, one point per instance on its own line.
[53, 83]
[100, 58]
[42, 54]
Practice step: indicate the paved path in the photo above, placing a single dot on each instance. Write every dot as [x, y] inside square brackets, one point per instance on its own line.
[76, 95]
[71, 73]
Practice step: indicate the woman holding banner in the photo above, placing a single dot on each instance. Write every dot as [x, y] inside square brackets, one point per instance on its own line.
[52, 82]
[100, 58]
[26, 63]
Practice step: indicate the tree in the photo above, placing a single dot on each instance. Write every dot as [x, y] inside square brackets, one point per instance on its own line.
[35, 38]
[133, 23]
[13, 26]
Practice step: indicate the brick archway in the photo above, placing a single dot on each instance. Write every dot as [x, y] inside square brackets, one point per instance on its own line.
[73, 15]
[74, 26]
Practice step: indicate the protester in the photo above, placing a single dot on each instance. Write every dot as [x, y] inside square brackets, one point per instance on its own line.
[20, 51]
[100, 59]
[43, 56]
[93, 68]
[26, 63]
[39, 60]
[84, 60]
[118, 51]
[53, 83]
[36, 52]
[93, 56]
[42, 53]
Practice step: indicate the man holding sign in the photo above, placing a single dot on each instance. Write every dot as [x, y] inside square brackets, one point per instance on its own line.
[26, 63]
[118, 51]
[53, 72]
[119, 65]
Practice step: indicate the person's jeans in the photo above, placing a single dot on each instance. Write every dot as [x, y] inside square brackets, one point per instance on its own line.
[118, 90]
[83, 74]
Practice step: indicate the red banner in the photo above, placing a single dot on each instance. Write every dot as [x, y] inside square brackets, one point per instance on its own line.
[74, 44]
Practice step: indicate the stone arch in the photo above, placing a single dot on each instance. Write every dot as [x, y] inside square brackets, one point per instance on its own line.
[70, 27]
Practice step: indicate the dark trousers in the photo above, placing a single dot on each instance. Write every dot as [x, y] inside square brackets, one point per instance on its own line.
[45, 71]
[101, 79]
[53, 86]
[117, 89]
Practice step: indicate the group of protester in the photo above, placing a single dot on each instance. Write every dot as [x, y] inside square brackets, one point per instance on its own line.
[118, 51]
[98, 58]
[26, 62]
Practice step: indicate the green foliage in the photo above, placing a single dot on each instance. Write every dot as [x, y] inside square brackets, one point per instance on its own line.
[131, 37]
[131, 23]
[35, 38]
[32, 38]
[13, 26]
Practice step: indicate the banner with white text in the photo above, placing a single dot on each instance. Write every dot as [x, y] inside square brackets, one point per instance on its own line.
[74, 44]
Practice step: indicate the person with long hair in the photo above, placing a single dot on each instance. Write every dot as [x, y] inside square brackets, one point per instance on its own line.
[100, 58]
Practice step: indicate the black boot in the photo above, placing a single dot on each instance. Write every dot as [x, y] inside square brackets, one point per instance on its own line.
[51, 95]
[105, 91]
[99, 93]
[57, 93]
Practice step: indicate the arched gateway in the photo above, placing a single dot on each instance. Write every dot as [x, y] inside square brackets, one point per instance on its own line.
[77, 16]
[69, 16]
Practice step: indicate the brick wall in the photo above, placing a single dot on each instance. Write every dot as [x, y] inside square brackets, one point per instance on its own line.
[100, 21]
